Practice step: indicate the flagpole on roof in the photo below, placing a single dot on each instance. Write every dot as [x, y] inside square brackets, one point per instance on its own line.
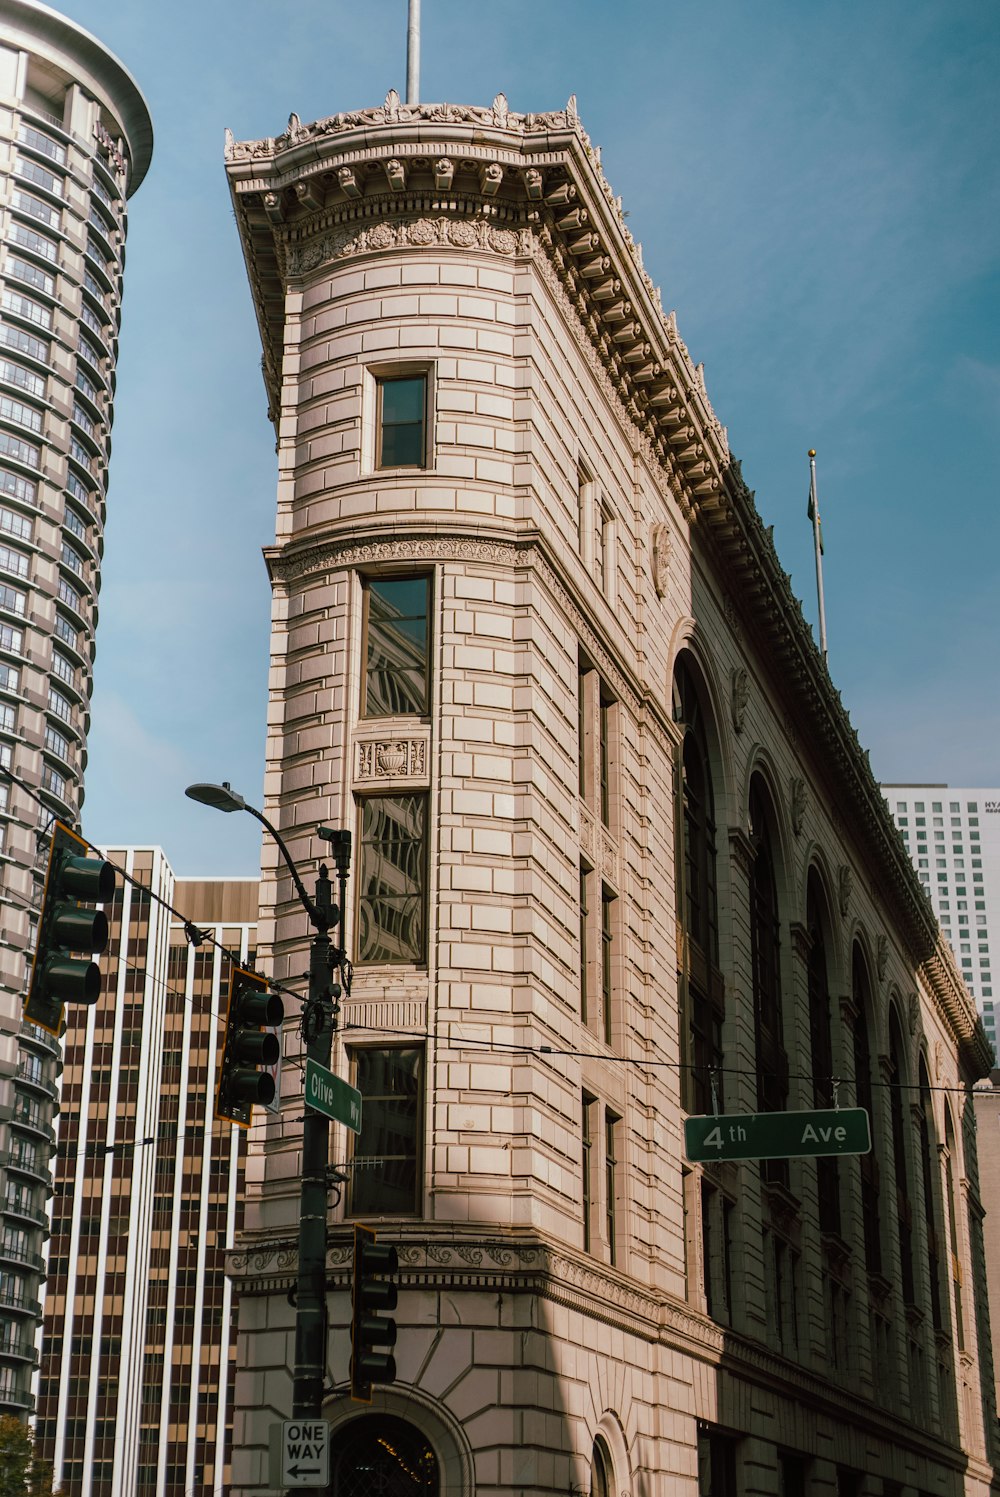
[818, 539]
[413, 54]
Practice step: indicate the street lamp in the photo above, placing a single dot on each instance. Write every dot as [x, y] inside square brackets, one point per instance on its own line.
[319, 1020]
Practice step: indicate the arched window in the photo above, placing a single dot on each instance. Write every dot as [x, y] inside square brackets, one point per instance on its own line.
[952, 1208]
[702, 993]
[827, 1170]
[601, 1471]
[928, 1153]
[870, 1203]
[899, 1100]
[772, 1061]
[381, 1456]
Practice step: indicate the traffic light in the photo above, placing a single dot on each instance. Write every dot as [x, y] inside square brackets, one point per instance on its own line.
[65, 926]
[249, 1045]
[371, 1291]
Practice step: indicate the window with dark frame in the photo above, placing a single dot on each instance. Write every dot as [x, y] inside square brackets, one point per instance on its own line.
[401, 421]
[392, 892]
[587, 1141]
[396, 646]
[612, 1127]
[385, 1157]
[702, 987]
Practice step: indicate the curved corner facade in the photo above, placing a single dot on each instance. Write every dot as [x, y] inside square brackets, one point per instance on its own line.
[618, 859]
[75, 141]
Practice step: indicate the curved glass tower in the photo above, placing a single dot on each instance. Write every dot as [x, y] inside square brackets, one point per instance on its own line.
[75, 142]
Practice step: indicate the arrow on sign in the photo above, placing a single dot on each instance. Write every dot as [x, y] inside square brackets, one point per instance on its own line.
[296, 1471]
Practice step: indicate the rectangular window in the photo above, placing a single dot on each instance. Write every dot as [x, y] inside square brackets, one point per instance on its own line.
[28, 136]
[18, 487]
[584, 940]
[11, 599]
[16, 337]
[32, 172]
[60, 705]
[584, 504]
[602, 546]
[53, 782]
[397, 653]
[587, 1135]
[11, 639]
[25, 202]
[597, 735]
[63, 668]
[69, 595]
[392, 895]
[24, 415]
[22, 452]
[72, 558]
[8, 718]
[10, 677]
[13, 561]
[31, 275]
[612, 1128]
[607, 964]
[23, 306]
[56, 742]
[67, 632]
[401, 422]
[30, 239]
[385, 1174]
[25, 379]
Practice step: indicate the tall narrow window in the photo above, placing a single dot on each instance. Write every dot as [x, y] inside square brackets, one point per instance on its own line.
[386, 1153]
[397, 656]
[392, 879]
[928, 1156]
[587, 1165]
[584, 505]
[956, 1262]
[772, 1060]
[401, 422]
[612, 1128]
[597, 730]
[607, 964]
[904, 1209]
[827, 1169]
[585, 878]
[871, 1209]
[702, 991]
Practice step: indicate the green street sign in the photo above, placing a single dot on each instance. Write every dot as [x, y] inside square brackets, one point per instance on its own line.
[326, 1093]
[778, 1135]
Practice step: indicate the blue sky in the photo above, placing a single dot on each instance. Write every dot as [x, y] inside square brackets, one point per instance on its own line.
[817, 191]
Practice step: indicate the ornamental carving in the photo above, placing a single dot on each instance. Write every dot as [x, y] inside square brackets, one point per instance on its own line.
[739, 696]
[912, 1013]
[845, 888]
[389, 758]
[881, 956]
[660, 546]
[731, 615]
[798, 801]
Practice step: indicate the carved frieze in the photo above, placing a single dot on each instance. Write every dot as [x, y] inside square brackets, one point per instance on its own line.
[419, 232]
[391, 758]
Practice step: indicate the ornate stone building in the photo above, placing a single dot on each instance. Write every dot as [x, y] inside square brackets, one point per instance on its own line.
[618, 856]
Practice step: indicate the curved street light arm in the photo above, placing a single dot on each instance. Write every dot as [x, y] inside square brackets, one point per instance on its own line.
[317, 917]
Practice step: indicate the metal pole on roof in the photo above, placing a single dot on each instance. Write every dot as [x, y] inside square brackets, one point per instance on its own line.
[413, 54]
[818, 539]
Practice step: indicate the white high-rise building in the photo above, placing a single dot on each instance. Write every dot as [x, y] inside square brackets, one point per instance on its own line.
[75, 142]
[953, 837]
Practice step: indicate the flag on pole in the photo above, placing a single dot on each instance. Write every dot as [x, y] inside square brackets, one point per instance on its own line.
[813, 513]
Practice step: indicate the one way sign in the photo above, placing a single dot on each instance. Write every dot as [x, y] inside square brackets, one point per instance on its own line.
[305, 1453]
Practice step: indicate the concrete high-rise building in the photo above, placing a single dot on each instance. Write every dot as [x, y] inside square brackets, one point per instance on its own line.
[75, 142]
[135, 1388]
[618, 858]
[953, 838]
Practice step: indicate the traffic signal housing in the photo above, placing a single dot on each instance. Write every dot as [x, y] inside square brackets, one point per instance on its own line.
[372, 1291]
[65, 925]
[249, 1046]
